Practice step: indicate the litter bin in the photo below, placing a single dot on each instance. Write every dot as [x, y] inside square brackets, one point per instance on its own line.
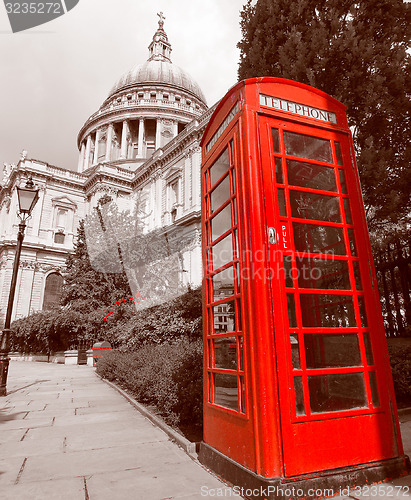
[99, 350]
[81, 357]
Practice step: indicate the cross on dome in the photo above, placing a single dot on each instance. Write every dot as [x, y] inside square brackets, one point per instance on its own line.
[161, 21]
[160, 47]
[157, 68]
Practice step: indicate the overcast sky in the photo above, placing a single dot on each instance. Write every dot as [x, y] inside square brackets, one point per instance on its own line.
[54, 76]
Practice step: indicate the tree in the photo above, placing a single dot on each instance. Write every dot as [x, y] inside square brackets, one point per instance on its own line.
[152, 261]
[117, 270]
[85, 288]
[355, 51]
[121, 284]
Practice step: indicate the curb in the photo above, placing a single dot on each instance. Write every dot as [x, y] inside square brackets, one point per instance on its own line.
[404, 411]
[188, 446]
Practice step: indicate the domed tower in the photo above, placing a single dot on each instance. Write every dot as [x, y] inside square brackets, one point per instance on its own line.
[146, 108]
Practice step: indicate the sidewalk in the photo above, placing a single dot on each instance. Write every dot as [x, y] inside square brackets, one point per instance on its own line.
[66, 434]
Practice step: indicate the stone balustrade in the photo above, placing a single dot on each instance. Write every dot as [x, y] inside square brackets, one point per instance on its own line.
[135, 103]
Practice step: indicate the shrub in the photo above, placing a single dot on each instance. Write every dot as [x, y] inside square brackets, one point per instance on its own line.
[188, 381]
[56, 330]
[181, 317]
[167, 376]
[119, 324]
[39, 333]
[400, 358]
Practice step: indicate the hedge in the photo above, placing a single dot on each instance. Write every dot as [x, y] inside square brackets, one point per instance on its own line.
[400, 358]
[167, 376]
[121, 324]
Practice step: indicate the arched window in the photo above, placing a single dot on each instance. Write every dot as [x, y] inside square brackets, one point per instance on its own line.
[52, 290]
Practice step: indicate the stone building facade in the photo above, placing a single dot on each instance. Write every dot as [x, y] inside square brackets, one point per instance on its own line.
[142, 144]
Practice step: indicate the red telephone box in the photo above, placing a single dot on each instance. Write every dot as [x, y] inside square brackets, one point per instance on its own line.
[297, 383]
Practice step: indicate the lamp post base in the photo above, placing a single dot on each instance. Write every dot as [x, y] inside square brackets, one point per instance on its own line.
[4, 368]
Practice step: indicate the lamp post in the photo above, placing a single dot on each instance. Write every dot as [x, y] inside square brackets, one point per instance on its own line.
[27, 197]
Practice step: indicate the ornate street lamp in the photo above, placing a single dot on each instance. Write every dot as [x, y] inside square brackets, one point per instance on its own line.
[28, 197]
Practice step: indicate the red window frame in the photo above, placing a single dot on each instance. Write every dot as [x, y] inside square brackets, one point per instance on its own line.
[362, 330]
[213, 338]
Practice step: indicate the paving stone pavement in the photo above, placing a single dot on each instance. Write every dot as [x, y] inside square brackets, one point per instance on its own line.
[67, 435]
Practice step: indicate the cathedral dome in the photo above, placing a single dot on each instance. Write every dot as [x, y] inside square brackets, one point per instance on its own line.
[159, 72]
[146, 108]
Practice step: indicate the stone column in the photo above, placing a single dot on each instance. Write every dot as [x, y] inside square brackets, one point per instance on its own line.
[98, 133]
[196, 177]
[187, 180]
[37, 214]
[19, 293]
[175, 129]
[82, 152]
[158, 201]
[180, 203]
[109, 141]
[124, 136]
[140, 138]
[151, 209]
[27, 289]
[195, 274]
[158, 133]
[88, 149]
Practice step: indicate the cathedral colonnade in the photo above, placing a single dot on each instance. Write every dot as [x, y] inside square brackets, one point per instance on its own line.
[129, 139]
[132, 139]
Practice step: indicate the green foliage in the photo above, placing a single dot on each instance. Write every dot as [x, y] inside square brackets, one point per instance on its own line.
[356, 52]
[119, 247]
[40, 332]
[86, 289]
[167, 376]
[57, 330]
[125, 328]
[181, 317]
[97, 303]
[400, 358]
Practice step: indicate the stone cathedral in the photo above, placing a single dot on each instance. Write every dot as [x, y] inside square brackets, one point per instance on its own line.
[143, 142]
